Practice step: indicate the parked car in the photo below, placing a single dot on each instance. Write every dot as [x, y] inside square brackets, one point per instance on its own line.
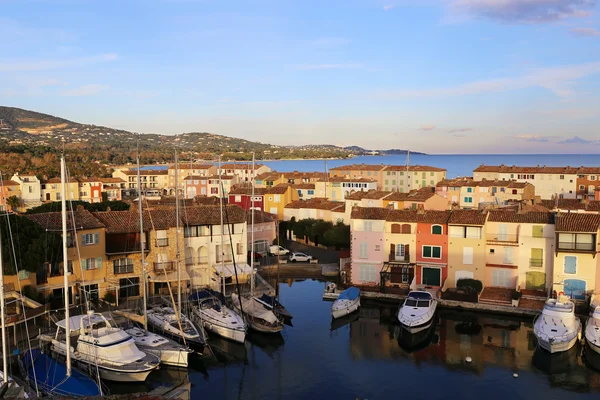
[278, 251]
[301, 257]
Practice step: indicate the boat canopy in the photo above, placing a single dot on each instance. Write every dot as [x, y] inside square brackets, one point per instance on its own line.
[77, 321]
[420, 295]
[349, 294]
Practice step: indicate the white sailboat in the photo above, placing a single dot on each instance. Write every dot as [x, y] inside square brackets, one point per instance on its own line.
[100, 346]
[168, 351]
[416, 314]
[259, 318]
[209, 310]
[556, 328]
[592, 330]
[347, 302]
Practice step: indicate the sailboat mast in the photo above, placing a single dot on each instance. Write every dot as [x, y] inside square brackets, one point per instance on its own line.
[252, 233]
[219, 190]
[142, 243]
[63, 201]
[177, 237]
[4, 351]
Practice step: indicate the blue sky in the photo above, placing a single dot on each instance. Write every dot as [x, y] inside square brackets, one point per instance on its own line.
[440, 76]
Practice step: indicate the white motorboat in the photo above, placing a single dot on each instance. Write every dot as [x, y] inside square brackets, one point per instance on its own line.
[209, 311]
[347, 302]
[259, 318]
[417, 312]
[164, 321]
[556, 328]
[592, 330]
[168, 351]
[104, 348]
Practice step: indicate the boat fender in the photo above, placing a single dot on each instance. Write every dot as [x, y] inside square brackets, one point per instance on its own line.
[561, 293]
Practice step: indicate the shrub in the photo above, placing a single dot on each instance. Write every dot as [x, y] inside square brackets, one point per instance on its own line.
[109, 297]
[472, 286]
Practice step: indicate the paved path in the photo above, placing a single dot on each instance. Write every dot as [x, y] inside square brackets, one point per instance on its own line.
[323, 255]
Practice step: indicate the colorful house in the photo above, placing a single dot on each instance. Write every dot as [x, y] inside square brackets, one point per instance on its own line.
[421, 199]
[400, 247]
[268, 179]
[219, 186]
[403, 179]
[243, 171]
[187, 169]
[265, 230]
[157, 179]
[588, 182]
[367, 247]
[9, 188]
[277, 197]
[466, 247]
[468, 194]
[576, 264]
[432, 248]
[337, 188]
[241, 195]
[306, 191]
[332, 211]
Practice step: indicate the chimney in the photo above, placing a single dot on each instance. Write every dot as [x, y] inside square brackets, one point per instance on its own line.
[80, 207]
[108, 208]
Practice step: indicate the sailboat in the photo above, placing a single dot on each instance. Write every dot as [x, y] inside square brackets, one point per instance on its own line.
[209, 310]
[168, 320]
[45, 373]
[168, 351]
[100, 346]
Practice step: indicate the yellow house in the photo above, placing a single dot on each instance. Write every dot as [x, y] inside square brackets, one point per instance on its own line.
[575, 259]
[85, 252]
[52, 188]
[337, 188]
[466, 246]
[403, 179]
[277, 197]
[269, 179]
[421, 199]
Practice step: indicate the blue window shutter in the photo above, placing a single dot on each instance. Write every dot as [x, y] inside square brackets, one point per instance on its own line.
[99, 262]
[83, 264]
[83, 238]
[570, 265]
[96, 238]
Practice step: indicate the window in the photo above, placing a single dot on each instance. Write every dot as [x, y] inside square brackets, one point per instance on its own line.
[581, 187]
[277, 198]
[570, 265]
[473, 232]
[469, 190]
[592, 177]
[576, 241]
[432, 252]
[91, 263]
[30, 189]
[377, 247]
[538, 231]
[195, 231]
[129, 287]
[214, 190]
[88, 239]
[363, 250]
[239, 249]
[367, 273]
[468, 199]
[161, 238]
[123, 266]
[396, 228]
[437, 230]
[368, 226]
[406, 228]
[467, 255]
[400, 251]
[238, 198]
[561, 177]
[509, 255]
[311, 192]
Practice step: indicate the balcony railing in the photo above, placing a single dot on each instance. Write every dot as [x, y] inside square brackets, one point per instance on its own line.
[162, 242]
[576, 246]
[203, 260]
[132, 248]
[123, 269]
[399, 258]
[536, 262]
[164, 266]
[502, 237]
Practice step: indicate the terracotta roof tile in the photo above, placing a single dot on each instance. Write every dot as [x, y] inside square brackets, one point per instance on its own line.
[246, 190]
[402, 216]
[241, 166]
[563, 204]
[145, 172]
[123, 221]
[304, 186]
[208, 200]
[593, 206]
[260, 217]
[8, 182]
[373, 213]
[359, 195]
[211, 215]
[467, 217]
[222, 177]
[510, 216]
[415, 168]
[317, 204]
[273, 175]
[588, 170]
[52, 221]
[282, 188]
[186, 166]
[530, 170]
[577, 222]
[110, 180]
[359, 167]
[341, 179]
[417, 196]
[376, 194]
[434, 217]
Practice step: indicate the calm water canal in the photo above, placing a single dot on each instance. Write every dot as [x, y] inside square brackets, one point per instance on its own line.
[366, 356]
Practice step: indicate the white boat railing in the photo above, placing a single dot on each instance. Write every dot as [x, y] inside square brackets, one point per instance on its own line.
[555, 338]
[422, 318]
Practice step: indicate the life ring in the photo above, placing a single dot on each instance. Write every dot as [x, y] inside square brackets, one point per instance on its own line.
[561, 293]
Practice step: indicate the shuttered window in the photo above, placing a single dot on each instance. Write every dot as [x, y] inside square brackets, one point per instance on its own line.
[367, 273]
[467, 255]
[570, 265]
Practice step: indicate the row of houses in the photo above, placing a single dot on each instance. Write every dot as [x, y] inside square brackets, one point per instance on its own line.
[104, 251]
[539, 251]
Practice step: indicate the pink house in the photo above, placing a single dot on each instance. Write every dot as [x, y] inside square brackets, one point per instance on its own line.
[265, 230]
[367, 251]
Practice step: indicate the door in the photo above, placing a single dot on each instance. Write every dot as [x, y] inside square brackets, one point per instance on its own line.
[502, 278]
[575, 289]
[432, 276]
[503, 232]
[129, 287]
[535, 280]
[462, 275]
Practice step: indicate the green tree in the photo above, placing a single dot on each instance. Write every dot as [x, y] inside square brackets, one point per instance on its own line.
[13, 202]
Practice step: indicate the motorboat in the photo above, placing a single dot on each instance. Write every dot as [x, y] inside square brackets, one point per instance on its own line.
[209, 310]
[103, 348]
[49, 376]
[257, 317]
[592, 330]
[272, 303]
[167, 350]
[347, 302]
[417, 312]
[556, 328]
[164, 321]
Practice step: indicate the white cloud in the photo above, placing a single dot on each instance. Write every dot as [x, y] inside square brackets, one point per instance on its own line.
[427, 127]
[85, 90]
[578, 140]
[559, 80]
[37, 65]
[388, 7]
[535, 138]
[329, 66]
[523, 11]
[585, 31]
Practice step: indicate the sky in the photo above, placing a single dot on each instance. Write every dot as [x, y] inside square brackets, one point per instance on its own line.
[437, 76]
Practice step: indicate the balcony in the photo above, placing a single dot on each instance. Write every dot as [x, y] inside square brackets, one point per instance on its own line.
[399, 258]
[502, 238]
[123, 268]
[125, 249]
[536, 262]
[164, 266]
[162, 242]
[582, 247]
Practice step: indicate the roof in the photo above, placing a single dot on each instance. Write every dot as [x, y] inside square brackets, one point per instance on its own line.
[467, 217]
[260, 217]
[414, 168]
[222, 177]
[304, 175]
[123, 221]
[376, 194]
[376, 213]
[577, 222]
[434, 217]
[58, 180]
[52, 221]
[242, 166]
[145, 171]
[588, 170]
[469, 182]
[359, 167]
[563, 204]
[211, 215]
[318, 204]
[9, 182]
[304, 186]
[593, 206]
[247, 190]
[511, 216]
[208, 200]
[109, 180]
[416, 196]
[345, 179]
[530, 170]
[195, 177]
[272, 175]
[184, 165]
[402, 216]
[359, 195]
[282, 188]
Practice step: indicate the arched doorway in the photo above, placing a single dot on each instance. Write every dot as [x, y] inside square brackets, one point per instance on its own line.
[203, 255]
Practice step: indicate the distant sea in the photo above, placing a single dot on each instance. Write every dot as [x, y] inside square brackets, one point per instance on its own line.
[456, 164]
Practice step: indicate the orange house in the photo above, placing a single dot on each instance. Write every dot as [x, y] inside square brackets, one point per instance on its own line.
[432, 248]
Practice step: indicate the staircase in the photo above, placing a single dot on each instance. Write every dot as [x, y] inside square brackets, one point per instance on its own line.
[533, 299]
[496, 296]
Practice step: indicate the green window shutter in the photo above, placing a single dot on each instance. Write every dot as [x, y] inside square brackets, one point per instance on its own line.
[537, 253]
[82, 239]
[83, 264]
[98, 262]
[437, 252]
[538, 231]
[96, 238]
[426, 251]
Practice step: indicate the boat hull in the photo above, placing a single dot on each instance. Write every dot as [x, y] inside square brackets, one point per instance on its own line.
[264, 328]
[594, 347]
[417, 328]
[237, 335]
[196, 344]
[174, 358]
[352, 307]
[556, 346]
[120, 376]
